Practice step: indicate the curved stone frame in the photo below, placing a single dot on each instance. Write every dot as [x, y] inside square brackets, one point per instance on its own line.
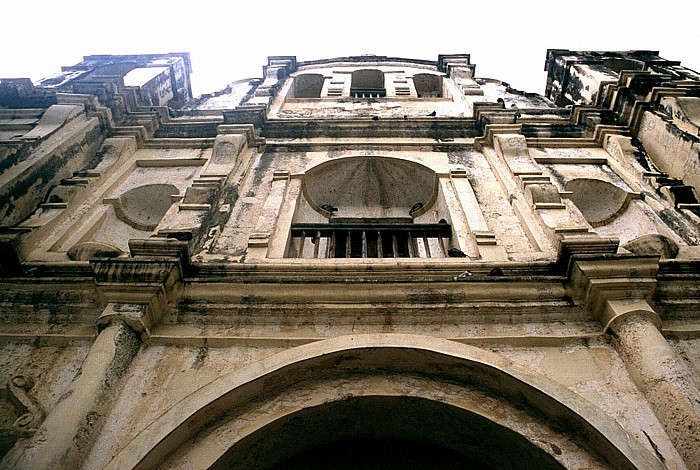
[439, 359]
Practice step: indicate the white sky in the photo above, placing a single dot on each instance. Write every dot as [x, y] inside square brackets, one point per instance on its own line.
[231, 40]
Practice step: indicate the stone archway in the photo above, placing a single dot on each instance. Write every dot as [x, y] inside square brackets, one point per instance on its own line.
[385, 432]
[439, 394]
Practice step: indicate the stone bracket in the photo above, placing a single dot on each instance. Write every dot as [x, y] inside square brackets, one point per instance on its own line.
[612, 286]
[139, 290]
[572, 245]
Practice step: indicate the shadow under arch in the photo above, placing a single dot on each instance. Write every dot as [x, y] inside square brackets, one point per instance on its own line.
[387, 432]
[398, 354]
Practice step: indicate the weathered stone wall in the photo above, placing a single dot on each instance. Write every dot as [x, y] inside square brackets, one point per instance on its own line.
[163, 306]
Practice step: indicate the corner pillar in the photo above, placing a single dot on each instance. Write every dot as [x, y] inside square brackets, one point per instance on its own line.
[668, 383]
[617, 291]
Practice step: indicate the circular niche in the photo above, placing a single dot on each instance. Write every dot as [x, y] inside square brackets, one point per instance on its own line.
[599, 201]
[371, 187]
[143, 207]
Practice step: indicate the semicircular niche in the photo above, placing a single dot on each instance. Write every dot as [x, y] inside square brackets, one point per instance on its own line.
[600, 202]
[371, 187]
[143, 207]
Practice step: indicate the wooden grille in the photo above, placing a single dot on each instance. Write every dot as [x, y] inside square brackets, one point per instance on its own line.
[369, 241]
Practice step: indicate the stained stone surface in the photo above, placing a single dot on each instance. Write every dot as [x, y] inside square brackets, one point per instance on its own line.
[350, 254]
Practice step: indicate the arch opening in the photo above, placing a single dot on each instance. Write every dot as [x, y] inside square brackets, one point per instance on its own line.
[384, 432]
[428, 85]
[308, 85]
[367, 83]
[299, 373]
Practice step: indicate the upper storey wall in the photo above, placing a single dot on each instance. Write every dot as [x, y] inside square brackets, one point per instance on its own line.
[368, 89]
[390, 89]
[368, 86]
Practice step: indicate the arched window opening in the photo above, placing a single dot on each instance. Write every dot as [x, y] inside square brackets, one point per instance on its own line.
[428, 85]
[308, 85]
[369, 205]
[367, 83]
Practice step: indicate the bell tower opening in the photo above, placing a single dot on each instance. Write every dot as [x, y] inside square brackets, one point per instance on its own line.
[367, 83]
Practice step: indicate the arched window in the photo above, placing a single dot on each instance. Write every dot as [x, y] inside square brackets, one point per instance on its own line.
[428, 85]
[367, 83]
[308, 85]
[369, 205]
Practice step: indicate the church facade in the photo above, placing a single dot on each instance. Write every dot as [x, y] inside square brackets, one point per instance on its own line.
[357, 262]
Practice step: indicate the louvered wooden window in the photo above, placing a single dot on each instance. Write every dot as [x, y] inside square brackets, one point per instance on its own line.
[369, 240]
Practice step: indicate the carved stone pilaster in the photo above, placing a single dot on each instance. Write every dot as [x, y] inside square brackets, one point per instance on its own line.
[259, 240]
[482, 235]
[191, 218]
[70, 428]
[564, 225]
[618, 292]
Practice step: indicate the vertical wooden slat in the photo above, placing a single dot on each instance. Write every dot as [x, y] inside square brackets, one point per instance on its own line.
[317, 243]
[441, 243]
[330, 249]
[414, 242]
[302, 239]
[364, 244]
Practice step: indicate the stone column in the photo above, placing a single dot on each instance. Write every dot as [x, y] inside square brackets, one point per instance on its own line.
[138, 291]
[617, 289]
[69, 430]
[668, 383]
